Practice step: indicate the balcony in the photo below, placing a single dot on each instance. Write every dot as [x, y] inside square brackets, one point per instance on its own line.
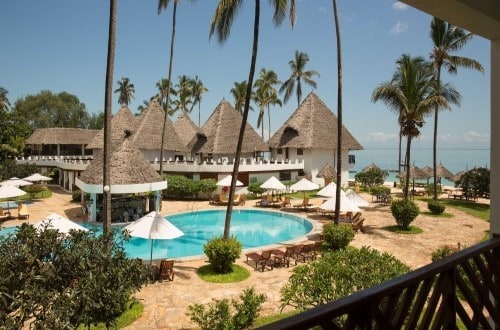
[464, 287]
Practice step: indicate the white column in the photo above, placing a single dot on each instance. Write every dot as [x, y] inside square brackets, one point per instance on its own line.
[495, 139]
[93, 207]
[157, 200]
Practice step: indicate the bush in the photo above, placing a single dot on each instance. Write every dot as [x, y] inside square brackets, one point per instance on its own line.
[429, 189]
[380, 190]
[435, 207]
[76, 196]
[222, 253]
[337, 236]
[404, 211]
[444, 251]
[219, 314]
[338, 274]
[373, 176]
[254, 188]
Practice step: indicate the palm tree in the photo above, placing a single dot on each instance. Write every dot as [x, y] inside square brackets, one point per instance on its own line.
[197, 89]
[126, 91]
[339, 114]
[143, 106]
[221, 22]
[4, 100]
[163, 4]
[297, 65]
[239, 92]
[106, 221]
[184, 93]
[447, 39]
[410, 93]
[266, 95]
[163, 86]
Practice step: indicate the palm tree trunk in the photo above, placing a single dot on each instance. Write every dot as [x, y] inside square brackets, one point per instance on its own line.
[269, 123]
[227, 223]
[407, 165]
[106, 200]
[434, 144]
[199, 114]
[339, 115]
[167, 102]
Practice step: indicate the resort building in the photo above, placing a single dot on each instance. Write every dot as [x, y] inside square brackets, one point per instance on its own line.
[303, 146]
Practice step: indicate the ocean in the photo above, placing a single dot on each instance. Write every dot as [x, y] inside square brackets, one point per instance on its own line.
[454, 159]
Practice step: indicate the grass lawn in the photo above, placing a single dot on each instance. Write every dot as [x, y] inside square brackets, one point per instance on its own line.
[478, 210]
[237, 275]
[133, 312]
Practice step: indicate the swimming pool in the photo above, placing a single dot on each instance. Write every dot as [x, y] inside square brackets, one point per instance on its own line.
[253, 228]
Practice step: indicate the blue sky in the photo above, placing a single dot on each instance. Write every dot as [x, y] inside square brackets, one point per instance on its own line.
[61, 45]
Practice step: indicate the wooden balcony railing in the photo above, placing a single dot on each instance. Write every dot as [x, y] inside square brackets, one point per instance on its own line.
[464, 287]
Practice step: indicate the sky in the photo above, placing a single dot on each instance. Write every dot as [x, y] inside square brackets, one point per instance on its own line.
[61, 45]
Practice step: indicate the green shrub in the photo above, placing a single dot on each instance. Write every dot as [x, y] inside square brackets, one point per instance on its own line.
[373, 176]
[380, 190]
[254, 188]
[338, 274]
[337, 236]
[404, 211]
[429, 189]
[435, 207]
[444, 251]
[219, 314]
[76, 196]
[222, 253]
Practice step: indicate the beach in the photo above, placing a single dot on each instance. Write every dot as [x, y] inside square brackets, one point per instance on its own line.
[166, 303]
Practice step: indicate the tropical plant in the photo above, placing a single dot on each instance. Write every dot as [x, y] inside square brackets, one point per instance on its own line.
[143, 106]
[163, 5]
[184, 94]
[372, 177]
[404, 211]
[4, 100]
[110, 63]
[435, 207]
[337, 236]
[475, 182]
[447, 39]
[410, 93]
[163, 86]
[219, 315]
[222, 253]
[265, 96]
[298, 75]
[338, 274]
[222, 20]
[197, 89]
[239, 92]
[125, 91]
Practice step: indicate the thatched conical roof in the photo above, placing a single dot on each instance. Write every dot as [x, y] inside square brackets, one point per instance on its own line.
[312, 126]
[369, 167]
[220, 133]
[121, 121]
[185, 128]
[443, 172]
[428, 170]
[327, 172]
[59, 135]
[128, 166]
[148, 131]
[415, 173]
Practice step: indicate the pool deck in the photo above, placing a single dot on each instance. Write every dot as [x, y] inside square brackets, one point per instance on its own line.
[166, 303]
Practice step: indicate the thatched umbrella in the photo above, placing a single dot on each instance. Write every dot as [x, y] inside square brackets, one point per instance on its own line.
[369, 167]
[458, 176]
[328, 173]
[415, 173]
[443, 172]
[428, 170]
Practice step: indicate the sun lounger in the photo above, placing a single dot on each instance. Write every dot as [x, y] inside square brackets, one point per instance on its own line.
[3, 215]
[261, 260]
[286, 202]
[303, 205]
[282, 258]
[357, 224]
[306, 253]
[166, 270]
[22, 211]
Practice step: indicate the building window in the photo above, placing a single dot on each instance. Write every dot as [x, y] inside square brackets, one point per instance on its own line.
[279, 151]
[300, 152]
[285, 176]
[352, 159]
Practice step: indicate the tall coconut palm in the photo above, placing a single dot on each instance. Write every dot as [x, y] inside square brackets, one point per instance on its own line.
[298, 75]
[110, 63]
[164, 89]
[184, 94]
[197, 89]
[447, 39]
[4, 100]
[163, 5]
[265, 96]
[239, 92]
[410, 93]
[339, 113]
[126, 91]
[221, 23]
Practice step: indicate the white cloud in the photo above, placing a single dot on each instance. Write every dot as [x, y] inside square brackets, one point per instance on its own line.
[468, 137]
[400, 27]
[399, 6]
[381, 137]
[472, 136]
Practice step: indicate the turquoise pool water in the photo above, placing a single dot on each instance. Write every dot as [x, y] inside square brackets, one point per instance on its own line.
[253, 228]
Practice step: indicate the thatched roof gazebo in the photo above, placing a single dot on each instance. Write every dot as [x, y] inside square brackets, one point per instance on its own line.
[312, 126]
[219, 134]
[443, 172]
[121, 121]
[328, 173]
[369, 167]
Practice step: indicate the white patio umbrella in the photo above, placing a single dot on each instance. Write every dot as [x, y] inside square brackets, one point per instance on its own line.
[10, 192]
[328, 191]
[37, 177]
[273, 184]
[153, 226]
[226, 182]
[345, 204]
[304, 185]
[55, 221]
[15, 182]
[356, 198]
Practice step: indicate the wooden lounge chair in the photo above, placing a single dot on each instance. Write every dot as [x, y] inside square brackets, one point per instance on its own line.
[22, 212]
[166, 270]
[3, 215]
[358, 223]
[261, 260]
[264, 202]
[303, 205]
[286, 202]
[306, 254]
[282, 259]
